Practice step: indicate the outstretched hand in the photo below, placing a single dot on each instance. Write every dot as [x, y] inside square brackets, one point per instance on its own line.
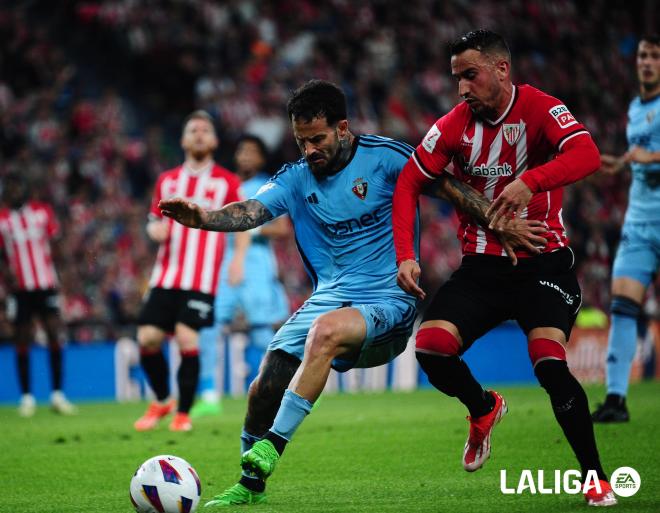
[406, 278]
[510, 203]
[184, 212]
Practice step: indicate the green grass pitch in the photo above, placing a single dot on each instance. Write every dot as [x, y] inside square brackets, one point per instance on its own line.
[389, 452]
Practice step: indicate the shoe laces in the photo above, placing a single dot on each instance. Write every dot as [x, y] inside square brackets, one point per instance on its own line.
[266, 450]
[155, 410]
[477, 432]
[237, 489]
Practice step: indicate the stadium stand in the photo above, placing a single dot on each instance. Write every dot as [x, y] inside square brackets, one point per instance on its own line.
[92, 94]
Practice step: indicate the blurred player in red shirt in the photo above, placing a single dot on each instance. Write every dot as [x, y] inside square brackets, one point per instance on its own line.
[185, 276]
[518, 146]
[26, 230]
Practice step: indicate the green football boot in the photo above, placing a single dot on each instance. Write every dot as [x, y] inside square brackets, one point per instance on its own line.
[237, 495]
[205, 409]
[261, 459]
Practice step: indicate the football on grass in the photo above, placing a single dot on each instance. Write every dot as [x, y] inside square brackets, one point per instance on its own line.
[165, 484]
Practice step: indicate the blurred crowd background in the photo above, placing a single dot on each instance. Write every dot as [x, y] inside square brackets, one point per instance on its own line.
[92, 96]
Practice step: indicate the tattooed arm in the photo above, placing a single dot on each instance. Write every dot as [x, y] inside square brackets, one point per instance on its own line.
[515, 233]
[235, 217]
[463, 196]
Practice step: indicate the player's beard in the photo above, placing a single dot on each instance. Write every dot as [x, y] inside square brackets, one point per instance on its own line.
[334, 163]
[201, 154]
[483, 111]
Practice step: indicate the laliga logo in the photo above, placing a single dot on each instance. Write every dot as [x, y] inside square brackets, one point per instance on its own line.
[625, 482]
[569, 483]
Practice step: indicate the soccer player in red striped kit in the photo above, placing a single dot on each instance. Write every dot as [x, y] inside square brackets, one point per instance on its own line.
[185, 276]
[27, 228]
[518, 146]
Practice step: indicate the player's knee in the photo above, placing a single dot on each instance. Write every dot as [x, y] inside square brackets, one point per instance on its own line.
[436, 341]
[542, 349]
[322, 339]
[149, 338]
[625, 307]
[549, 361]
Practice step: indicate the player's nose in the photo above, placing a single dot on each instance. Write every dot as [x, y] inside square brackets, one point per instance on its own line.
[309, 148]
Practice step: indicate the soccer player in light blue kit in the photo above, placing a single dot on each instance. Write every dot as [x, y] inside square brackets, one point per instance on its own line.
[259, 296]
[638, 257]
[339, 198]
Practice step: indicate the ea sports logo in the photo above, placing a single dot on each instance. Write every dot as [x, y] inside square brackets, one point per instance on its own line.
[625, 481]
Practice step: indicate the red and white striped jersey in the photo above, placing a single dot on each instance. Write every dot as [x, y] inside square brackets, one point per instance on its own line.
[190, 259]
[25, 235]
[490, 155]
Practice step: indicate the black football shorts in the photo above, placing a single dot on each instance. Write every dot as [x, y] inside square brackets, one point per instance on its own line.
[165, 308]
[541, 291]
[26, 304]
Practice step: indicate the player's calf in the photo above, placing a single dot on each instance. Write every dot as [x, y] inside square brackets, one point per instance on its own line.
[569, 401]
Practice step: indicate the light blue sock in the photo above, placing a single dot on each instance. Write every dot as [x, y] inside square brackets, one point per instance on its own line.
[208, 358]
[292, 412]
[622, 344]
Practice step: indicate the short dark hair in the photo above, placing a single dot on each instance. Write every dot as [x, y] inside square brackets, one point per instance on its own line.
[251, 138]
[198, 114]
[654, 39]
[316, 99]
[482, 40]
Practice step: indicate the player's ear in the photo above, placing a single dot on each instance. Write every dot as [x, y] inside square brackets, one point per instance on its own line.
[502, 69]
[342, 128]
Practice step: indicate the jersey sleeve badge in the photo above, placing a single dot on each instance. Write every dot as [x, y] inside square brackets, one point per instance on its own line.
[562, 116]
[431, 139]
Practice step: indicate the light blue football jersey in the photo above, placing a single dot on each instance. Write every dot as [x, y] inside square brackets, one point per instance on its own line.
[644, 130]
[343, 223]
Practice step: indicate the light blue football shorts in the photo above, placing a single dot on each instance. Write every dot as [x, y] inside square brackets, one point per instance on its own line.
[389, 326]
[638, 255]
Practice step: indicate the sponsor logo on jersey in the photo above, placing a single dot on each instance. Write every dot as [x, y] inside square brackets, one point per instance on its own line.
[354, 225]
[512, 132]
[431, 138]
[483, 170]
[465, 140]
[360, 188]
[312, 199]
[562, 116]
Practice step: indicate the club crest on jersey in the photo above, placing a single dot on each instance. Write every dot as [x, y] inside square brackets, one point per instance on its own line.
[562, 116]
[650, 115]
[512, 132]
[360, 188]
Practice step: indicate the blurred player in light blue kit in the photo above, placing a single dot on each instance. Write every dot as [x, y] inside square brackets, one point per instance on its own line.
[638, 257]
[260, 297]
